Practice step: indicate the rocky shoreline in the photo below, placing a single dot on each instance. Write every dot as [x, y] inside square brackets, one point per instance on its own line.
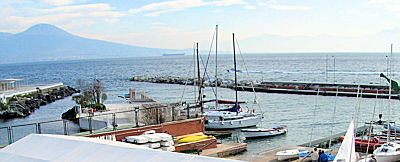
[24, 105]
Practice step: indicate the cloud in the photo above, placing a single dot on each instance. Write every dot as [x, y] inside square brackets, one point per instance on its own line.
[286, 7]
[163, 29]
[353, 11]
[158, 23]
[156, 9]
[273, 4]
[69, 17]
[389, 5]
[217, 11]
[249, 7]
[58, 2]
[86, 7]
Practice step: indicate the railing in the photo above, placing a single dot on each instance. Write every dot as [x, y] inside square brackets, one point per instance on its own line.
[112, 121]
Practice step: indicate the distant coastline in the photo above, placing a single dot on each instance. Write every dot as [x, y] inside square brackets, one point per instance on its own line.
[173, 54]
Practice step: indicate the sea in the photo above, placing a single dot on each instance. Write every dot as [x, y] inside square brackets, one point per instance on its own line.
[308, 117]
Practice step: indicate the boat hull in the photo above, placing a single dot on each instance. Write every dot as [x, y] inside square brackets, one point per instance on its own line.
[289, 154]
[388, 158]
[259, 134]
[233, 124]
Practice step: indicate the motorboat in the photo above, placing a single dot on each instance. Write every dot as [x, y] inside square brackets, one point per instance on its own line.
[264, 132]
[290, 154]
[388, 152]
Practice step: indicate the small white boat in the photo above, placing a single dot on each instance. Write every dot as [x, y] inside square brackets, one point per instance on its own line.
[231, 120]
[289, 154]
[388, 152]
[264, 132]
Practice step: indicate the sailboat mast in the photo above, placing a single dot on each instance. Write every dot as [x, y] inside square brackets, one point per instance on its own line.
[216, 66]
[234, 63]
[390, 91]
[199, 79]
[194, 72]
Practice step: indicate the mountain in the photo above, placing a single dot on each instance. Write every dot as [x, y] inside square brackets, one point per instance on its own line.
[378, 42]
[45, 42]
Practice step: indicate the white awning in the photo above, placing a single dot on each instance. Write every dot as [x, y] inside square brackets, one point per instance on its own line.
[46, 147]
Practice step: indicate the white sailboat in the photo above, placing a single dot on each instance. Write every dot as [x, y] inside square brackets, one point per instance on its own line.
[231, 118]
[388, 152]
[391, 150]
[347, 151]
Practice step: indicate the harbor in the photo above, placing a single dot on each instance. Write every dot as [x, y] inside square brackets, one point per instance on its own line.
[275, 106]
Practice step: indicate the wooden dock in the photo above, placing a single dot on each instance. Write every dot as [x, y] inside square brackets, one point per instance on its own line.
[224, 150]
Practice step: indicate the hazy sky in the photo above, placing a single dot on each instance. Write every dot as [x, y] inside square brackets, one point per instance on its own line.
[178, 23]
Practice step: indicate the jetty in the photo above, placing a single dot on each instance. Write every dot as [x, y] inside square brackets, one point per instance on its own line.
[22, 99]
[301, 88]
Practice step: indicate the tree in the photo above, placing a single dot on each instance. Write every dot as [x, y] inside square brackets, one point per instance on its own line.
[90, 93]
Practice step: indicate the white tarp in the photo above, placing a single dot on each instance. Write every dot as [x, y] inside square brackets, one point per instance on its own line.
[46, 147]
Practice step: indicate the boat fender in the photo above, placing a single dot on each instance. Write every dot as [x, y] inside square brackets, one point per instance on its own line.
[240, 122]
[222, 123]
[231, 122]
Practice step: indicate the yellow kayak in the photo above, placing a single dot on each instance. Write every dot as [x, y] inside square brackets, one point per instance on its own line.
[188, 135]
[193, 138]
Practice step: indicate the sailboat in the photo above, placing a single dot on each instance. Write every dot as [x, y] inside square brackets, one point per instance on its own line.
[347, 151]
[231, 118]
[391, 150]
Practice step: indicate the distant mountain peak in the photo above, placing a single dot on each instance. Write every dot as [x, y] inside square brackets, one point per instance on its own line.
[44, 29]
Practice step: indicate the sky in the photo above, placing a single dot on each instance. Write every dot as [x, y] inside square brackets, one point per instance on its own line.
[176, 24]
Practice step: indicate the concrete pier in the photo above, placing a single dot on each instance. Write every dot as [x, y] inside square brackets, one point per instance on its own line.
[303, 88]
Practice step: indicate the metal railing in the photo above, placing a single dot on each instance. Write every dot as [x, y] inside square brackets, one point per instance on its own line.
[136, 117]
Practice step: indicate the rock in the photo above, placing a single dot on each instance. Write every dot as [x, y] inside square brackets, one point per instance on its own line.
[22, 107]
[70, 114]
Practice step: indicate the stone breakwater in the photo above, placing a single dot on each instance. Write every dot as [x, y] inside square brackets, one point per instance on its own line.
[225, 83]
[23, 105]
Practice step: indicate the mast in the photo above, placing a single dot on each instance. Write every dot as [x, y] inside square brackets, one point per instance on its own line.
[194, 72]
[390, 91]
[199, 79]
[216, 66]
[234, 63]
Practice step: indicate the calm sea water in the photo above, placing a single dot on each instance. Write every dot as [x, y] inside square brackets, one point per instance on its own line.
[304, 115]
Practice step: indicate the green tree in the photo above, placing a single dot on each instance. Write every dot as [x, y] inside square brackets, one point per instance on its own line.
[91, 93]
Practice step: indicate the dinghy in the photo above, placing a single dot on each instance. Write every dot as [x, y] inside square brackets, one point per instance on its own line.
[289, 154]
[264, 132]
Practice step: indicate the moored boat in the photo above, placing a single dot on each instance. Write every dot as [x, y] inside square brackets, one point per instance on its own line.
[264, 132]
[289, 154]
[388, 152]
[363, 144]
[231, 120]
